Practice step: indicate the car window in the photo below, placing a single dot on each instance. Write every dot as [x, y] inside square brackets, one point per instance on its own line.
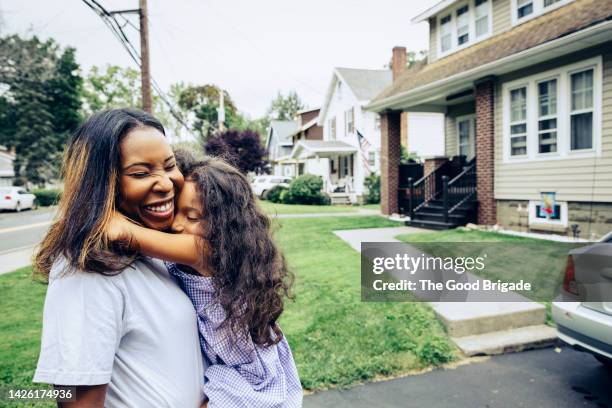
[277, 180]
[22, 192]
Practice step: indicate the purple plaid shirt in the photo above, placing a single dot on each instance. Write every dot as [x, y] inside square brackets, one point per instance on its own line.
[238, 374]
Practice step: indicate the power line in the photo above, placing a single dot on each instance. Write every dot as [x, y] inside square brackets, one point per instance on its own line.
[116, 28]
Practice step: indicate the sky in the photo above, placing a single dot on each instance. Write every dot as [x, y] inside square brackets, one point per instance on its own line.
[251, 48]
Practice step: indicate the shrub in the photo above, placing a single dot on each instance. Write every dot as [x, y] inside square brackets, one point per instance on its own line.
[306, 189]
[274, 194]
[372, 183]
[47, 197]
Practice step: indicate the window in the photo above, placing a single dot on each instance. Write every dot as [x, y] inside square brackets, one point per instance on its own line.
[349, 120]
[445, 33]
[524, 8]
[377, 123]
[463, 25]
[538, 216]
[555, 114]
[547, 113]
[372, 158]
[581, 116]
[518, 122]
[482, 17]
[332, 128]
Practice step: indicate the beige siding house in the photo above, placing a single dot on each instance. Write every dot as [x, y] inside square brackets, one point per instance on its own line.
[526, 90]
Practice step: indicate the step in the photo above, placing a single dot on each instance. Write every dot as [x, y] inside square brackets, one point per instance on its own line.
[507, 341]
[472, 318]
[439, 216]
[433, 225]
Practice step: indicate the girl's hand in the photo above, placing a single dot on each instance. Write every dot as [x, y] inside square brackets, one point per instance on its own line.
[118, 229]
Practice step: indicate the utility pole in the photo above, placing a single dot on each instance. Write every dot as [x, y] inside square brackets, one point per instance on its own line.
[145, 71]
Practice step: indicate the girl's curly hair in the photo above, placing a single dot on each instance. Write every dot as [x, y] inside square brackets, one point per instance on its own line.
[250, 274]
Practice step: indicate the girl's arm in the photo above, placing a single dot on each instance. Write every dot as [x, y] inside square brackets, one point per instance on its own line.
[185, 249]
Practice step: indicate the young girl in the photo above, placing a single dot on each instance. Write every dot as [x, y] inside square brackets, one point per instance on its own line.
[226, 261]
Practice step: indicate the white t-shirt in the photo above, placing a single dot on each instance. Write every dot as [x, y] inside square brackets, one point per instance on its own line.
[136, 331]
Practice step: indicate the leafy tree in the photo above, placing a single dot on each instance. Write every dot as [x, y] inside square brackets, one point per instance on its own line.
[111, 87]
[285, 107]
[412, 59]
[243, 149]
[201, 102]
[40, 104]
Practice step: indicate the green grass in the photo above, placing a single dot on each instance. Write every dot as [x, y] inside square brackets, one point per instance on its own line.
[510, 258]
[336, 339]
[274, 208]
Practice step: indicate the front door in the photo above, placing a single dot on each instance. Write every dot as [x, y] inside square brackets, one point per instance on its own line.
[466, 136]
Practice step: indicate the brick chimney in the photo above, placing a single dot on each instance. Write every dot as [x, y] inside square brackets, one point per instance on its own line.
[398, 61]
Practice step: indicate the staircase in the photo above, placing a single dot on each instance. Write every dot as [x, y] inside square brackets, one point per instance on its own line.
[445, 198]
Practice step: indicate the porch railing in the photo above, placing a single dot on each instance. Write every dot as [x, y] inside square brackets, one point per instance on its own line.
[427, 188]
[459, 190]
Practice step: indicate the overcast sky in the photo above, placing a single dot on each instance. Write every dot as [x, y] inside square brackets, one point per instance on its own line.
[251, 48]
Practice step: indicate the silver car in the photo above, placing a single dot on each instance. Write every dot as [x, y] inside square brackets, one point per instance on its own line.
[583, 311]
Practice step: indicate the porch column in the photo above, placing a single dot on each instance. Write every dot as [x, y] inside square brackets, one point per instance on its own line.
[390, 142]
[485, 150]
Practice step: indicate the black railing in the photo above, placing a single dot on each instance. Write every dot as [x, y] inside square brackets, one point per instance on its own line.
[459, 190]
[453, 183]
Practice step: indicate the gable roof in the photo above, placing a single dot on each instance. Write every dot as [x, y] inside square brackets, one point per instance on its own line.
[566, 20]
[432, 11]
[283, 130]
[364, 83]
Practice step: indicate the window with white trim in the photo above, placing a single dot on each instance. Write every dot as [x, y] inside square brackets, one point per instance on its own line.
[331, 126]
[349, 121]
[581, 113]
[555, 114]
[464, 25]
[518, 121]
[446, 35]
[372, 158]
[523, 10]
[547, 116]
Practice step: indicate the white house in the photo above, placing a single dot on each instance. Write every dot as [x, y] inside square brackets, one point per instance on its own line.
[279, 146]
[6, 167]
[343, 158]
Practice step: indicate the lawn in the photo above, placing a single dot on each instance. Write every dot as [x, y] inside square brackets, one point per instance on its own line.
[274, 208]
[336, 339]
[510, 258]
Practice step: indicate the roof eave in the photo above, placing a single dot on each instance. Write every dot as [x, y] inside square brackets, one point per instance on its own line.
[432, 11]
[471, 75]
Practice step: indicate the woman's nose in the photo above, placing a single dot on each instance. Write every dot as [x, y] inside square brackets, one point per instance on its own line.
[164, 184]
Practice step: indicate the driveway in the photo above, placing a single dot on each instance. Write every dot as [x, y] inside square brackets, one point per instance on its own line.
[537, 378]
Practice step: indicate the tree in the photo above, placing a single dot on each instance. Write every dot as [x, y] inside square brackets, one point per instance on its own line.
[412, 59]
[242, 149]
[201, 103]
[40, 104]
[285, 107]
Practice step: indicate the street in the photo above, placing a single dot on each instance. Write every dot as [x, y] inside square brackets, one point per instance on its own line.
[537, 378]
[19, 233]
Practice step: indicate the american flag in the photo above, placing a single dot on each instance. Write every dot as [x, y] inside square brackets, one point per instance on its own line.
[364, 146]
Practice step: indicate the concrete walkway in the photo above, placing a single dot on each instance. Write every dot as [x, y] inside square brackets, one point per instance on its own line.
[15, 259]
[482, 322]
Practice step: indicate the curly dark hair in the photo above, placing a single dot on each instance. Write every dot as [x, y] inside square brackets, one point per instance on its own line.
[250, 274]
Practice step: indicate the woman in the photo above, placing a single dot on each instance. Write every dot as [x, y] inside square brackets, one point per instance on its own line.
[116, 326]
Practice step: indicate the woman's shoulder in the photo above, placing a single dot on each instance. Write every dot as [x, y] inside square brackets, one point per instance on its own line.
[63, 271]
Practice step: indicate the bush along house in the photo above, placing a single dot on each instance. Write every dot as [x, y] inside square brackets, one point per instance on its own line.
[526, 90]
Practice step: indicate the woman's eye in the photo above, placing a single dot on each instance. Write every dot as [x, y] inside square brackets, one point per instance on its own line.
[139, 174]
[171, 167]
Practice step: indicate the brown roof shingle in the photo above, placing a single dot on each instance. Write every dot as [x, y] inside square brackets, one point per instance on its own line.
[565, 20]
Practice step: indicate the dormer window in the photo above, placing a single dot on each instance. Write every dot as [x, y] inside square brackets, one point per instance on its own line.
[523, 10]
[446, 33]
[464, 25]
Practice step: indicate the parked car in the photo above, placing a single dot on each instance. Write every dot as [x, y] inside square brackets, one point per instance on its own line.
[583, 311]
[262, 184]
[16, 198]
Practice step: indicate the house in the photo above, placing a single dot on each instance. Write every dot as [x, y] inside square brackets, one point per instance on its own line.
[350, 147]
[526, 90]
[7, 175]
[279, 145]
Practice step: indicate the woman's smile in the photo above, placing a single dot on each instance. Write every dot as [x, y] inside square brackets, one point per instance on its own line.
[162, 210]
